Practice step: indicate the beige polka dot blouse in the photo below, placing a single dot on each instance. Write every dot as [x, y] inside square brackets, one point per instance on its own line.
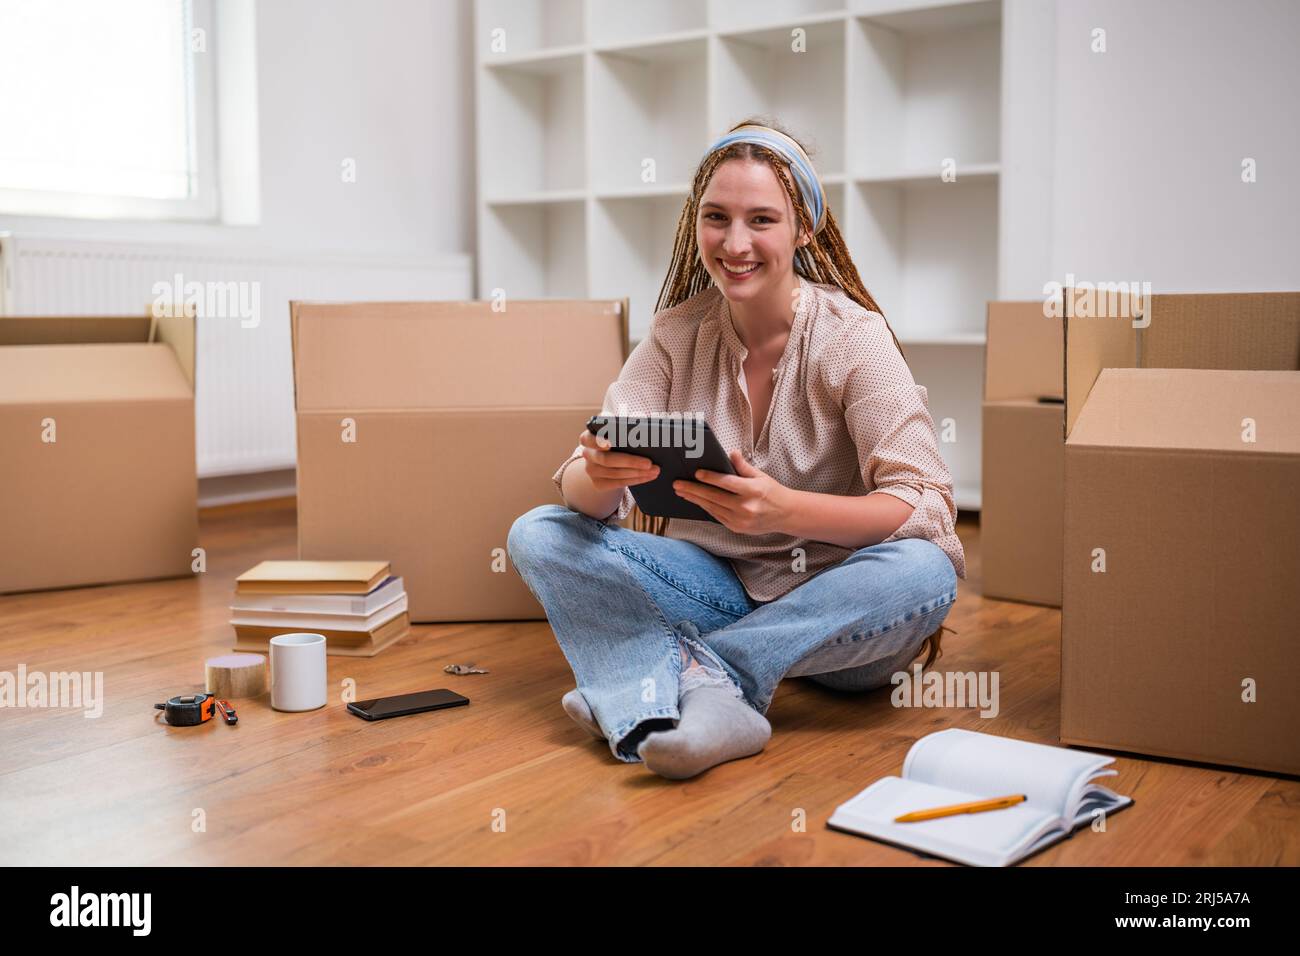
[846, 418]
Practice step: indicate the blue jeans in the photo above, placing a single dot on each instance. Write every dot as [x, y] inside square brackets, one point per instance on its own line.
[623, 605]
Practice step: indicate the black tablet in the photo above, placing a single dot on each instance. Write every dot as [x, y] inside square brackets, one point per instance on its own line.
[678, 445]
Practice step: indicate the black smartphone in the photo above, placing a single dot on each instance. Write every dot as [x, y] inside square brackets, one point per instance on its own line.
[381, 708]
[678, 445]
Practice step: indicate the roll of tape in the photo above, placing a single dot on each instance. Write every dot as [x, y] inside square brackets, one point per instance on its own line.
[187, 710]
[236, 675]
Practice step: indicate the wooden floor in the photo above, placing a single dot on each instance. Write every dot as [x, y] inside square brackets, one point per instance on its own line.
[510, 779]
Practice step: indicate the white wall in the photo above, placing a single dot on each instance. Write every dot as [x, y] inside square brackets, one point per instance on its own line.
[1144, 145]
[386, 82]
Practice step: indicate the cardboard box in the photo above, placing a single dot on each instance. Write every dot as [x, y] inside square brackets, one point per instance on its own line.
[426, 428]
[97, 424]
[1182, 516]
[1023, 460]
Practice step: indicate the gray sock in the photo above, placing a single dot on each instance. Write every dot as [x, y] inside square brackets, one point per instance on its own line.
[575, 705]
[716, 726]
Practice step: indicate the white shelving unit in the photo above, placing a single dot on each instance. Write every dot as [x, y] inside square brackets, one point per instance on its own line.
[592, 115]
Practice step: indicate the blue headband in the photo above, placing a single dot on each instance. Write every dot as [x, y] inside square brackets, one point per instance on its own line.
[805, 177]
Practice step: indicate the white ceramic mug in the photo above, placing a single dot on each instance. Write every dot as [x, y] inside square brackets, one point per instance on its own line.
[298, 672]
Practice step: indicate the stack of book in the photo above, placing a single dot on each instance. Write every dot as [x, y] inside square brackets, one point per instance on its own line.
[358, 605]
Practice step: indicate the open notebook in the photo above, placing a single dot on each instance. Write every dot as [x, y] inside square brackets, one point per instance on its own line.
[957, 766]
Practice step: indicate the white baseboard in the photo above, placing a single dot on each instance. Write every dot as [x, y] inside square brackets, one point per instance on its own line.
[233, 489]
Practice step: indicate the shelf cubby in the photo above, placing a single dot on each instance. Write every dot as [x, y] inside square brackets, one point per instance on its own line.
[759, 73]
[540, 250]
[632, 256]
[525, 26]
[533, 127]
[953, 376]
[647, 105]
[620, 21]
[929, 16]
[925, 87]
[728, 15]
[928, 252]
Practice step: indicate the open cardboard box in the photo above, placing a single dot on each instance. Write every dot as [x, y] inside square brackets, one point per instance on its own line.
[99, 483]
[1023, 483]
[426, 428]
[1182, 529]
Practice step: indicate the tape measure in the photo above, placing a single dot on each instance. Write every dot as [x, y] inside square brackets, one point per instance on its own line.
[188, 711]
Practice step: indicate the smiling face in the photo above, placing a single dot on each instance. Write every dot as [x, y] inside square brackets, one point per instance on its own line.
[746, 232]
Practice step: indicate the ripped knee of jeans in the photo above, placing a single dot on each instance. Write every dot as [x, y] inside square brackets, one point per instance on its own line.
[697, 672]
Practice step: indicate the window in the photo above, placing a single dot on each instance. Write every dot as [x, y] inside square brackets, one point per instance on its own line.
[107, 109]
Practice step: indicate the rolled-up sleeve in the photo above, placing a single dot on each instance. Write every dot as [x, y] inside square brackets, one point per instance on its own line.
[888, 416]
[641, 388]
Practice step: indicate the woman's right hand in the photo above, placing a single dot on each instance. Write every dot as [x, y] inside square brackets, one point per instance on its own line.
[611, 470]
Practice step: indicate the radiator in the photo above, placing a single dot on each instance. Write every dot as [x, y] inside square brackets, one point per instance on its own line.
[244, 375]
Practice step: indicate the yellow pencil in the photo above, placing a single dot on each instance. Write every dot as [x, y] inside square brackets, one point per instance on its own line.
[975, 806]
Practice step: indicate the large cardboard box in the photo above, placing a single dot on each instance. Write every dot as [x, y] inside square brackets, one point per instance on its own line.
[98, 483]
[426, 428]
[1023, 482]
[1182, 517]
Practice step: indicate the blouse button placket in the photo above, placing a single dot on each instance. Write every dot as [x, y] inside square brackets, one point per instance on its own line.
[743, 401]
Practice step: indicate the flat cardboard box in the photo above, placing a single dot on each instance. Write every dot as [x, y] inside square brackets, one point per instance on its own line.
[1023, 484]
[114, 497]
[1182, 460]
[426, 428]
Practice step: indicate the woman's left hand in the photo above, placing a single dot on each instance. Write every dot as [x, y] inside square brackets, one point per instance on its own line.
[748, 502]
